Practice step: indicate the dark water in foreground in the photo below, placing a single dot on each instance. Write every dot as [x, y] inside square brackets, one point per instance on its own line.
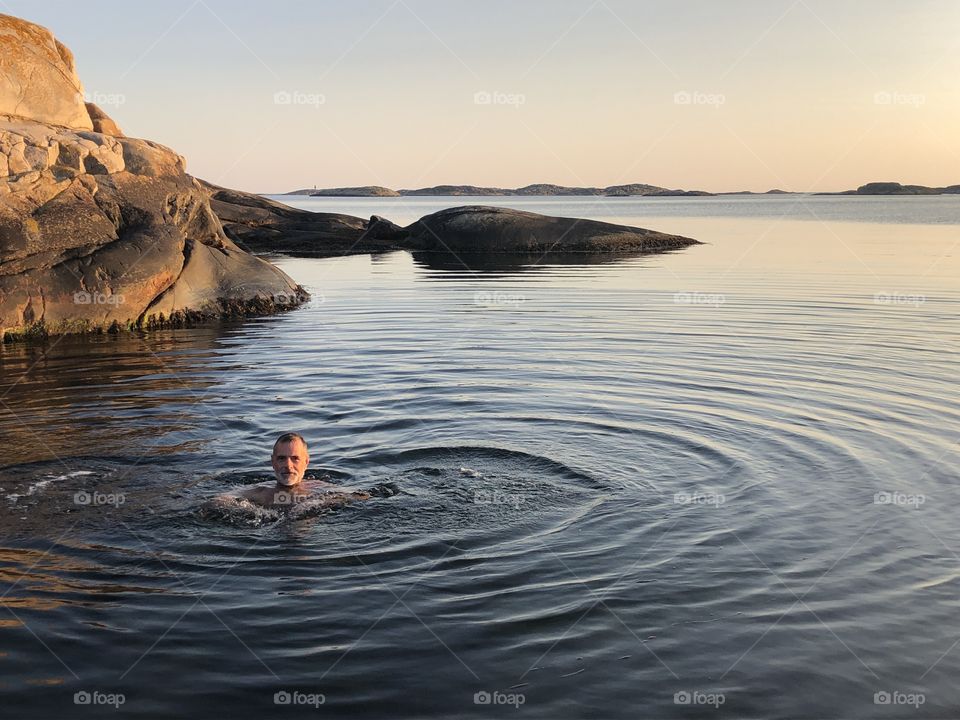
[715, 483]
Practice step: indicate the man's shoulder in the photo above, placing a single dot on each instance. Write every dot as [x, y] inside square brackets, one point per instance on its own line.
[318, 482]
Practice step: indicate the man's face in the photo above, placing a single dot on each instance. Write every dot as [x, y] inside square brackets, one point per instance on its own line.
[290, 461]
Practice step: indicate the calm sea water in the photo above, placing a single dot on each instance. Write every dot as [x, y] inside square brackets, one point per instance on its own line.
[721, 482]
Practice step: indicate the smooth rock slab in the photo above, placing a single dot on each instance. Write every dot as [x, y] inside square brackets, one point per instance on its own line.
[485, 229]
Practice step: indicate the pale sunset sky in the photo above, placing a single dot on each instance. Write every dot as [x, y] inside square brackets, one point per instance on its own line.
[804, 95]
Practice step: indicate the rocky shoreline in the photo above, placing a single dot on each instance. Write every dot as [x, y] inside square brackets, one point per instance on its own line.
[100, 232]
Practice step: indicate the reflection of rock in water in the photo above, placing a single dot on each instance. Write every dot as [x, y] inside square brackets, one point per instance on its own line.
[510, 262]
[79, 391]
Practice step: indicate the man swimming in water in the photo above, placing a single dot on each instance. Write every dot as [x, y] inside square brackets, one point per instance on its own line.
[290, 459]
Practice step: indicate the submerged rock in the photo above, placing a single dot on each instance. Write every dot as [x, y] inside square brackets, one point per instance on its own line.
[99, 231]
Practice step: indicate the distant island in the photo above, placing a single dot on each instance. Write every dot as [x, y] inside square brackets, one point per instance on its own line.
[632, 190]
[894, 188]
[473, 190]
[775, 191]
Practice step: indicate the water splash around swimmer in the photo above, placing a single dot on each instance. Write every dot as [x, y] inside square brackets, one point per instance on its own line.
[291, 494]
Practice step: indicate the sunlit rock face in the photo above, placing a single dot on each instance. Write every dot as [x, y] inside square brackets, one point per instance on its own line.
[38, 80]
[98, 230]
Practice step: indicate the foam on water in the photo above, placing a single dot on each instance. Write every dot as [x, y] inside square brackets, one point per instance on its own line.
[39, 485]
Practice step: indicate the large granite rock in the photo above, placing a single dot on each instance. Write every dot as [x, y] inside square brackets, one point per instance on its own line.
[38, 80]
[491, 229]
[99, 231]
